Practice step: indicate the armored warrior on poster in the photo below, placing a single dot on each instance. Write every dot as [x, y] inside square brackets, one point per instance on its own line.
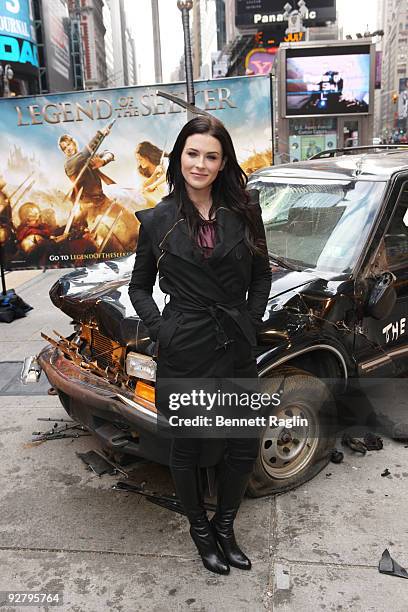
[82, 167]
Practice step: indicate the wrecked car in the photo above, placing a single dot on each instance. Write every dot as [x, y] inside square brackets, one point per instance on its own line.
[338, 244]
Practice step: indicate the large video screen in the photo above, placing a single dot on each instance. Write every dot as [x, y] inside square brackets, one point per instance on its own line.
[327, 82]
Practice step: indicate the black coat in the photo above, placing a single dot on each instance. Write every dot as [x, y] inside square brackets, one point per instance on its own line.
[209, 326]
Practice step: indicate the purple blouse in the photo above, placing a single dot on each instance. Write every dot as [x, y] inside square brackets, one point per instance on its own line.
[206, 236]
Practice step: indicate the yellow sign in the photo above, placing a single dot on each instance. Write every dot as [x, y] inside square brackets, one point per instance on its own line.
[294, 37]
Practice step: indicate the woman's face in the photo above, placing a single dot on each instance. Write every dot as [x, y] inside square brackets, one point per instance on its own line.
[144, 165]
[201, 161]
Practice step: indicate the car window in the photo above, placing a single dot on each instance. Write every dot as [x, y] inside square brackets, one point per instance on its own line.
[318, 224]
[396, 236]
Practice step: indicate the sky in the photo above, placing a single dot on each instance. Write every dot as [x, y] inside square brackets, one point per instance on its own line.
[354, 15]
[171, 34]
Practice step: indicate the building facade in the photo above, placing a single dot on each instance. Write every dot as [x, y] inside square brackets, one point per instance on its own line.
[93, 33]
[130, 58]
[394, 22]
[109, 44]
[53, 28]
[205, 37]
[124, 70]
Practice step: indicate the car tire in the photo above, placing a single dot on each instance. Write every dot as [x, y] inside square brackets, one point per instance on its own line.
[285, 461]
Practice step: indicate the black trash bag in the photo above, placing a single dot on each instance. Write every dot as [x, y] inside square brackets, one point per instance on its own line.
[12, 307]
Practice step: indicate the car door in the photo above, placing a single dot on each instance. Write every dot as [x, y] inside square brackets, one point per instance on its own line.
[395, 328]
[385, 349]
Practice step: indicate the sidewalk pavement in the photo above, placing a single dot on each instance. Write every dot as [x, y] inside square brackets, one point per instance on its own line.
[20, 277]
[64, 529]
[22, 337]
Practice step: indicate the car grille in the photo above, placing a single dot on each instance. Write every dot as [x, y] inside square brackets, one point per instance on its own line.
[103, 350]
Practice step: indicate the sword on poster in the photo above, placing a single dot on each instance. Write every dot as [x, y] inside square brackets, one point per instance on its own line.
[103, 133]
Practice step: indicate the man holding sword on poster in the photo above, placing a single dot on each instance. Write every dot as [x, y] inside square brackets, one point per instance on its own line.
[95, 220]
[83, 169]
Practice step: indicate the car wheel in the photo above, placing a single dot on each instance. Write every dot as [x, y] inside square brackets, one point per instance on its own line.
[288, 457]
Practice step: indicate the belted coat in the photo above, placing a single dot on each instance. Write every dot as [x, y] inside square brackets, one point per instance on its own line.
[208, 328]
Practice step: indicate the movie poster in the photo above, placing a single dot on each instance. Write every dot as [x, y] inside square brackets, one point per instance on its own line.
[75, 167]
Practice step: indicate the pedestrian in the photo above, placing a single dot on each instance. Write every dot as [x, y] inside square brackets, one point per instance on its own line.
[207, 242]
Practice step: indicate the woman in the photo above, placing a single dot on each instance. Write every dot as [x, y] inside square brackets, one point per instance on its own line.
[152, 165]
[207, 241]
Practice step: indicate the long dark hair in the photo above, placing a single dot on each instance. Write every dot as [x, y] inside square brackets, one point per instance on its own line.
[150, 151]
[228, 189]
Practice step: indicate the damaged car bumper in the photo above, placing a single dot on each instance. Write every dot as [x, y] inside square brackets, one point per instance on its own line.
[121, 422]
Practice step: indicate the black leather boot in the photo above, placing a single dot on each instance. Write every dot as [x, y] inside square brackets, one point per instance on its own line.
[187, 489]
[231, 489]
[203, 537]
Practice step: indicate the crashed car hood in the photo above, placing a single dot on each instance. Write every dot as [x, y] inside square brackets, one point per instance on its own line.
[99, 294]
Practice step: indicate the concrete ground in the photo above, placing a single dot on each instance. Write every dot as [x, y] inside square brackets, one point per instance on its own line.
[62, 528]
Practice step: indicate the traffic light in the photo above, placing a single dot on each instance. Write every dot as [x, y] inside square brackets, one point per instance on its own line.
[395, 98]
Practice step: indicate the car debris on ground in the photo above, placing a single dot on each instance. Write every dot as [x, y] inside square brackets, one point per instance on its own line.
[336, 456]
[355, 444]
[68, 429]
[389, 566]
[370, 442]
[100, 464]
[165, 501]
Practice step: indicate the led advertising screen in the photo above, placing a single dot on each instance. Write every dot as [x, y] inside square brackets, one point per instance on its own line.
[17, 36]
[327, 82]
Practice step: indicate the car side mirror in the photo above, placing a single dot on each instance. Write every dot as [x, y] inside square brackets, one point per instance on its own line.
[382, 297]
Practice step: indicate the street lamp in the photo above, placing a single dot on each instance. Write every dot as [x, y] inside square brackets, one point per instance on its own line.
[185, 6]
[6, 75]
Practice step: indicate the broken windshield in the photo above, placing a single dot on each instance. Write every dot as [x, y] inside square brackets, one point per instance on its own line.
[318, 224]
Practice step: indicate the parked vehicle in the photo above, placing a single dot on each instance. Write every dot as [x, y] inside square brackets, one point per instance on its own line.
[337, 236]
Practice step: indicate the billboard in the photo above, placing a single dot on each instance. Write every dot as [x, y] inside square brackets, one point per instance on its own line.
[311, 135]
[260, 61]
[273, 37]
[17, 36]
[378, 69]
[403, 99]
[330, 81]
[77, 166]
[259, 13]
[219, 64]
[57, 51]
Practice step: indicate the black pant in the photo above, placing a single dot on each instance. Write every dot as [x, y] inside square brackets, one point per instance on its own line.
[235, 471]
[240, 456]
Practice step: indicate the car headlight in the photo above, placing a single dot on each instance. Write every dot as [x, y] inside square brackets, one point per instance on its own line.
[141, 366]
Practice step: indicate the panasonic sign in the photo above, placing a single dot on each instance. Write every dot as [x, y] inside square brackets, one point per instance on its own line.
[258, 13]
[279, 17]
